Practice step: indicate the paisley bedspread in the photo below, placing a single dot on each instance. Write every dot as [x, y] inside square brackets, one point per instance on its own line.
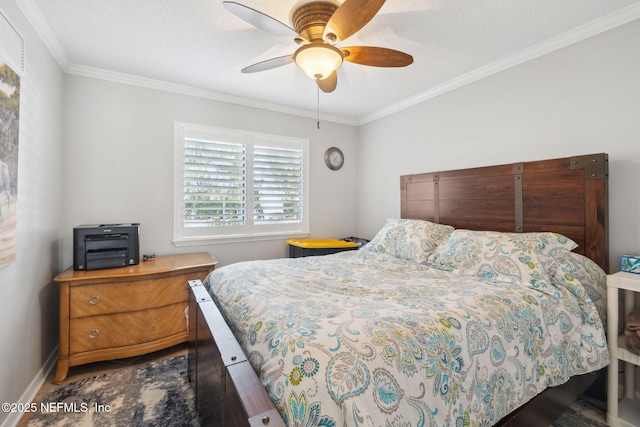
[366, 339]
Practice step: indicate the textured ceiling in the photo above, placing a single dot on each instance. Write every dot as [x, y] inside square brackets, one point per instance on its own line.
[200, 45]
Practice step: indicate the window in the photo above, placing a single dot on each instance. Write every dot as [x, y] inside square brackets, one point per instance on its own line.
[238, 185]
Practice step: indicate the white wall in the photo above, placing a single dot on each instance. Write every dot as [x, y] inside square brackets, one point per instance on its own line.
[28, 297]
[582, 99]
[119, 164]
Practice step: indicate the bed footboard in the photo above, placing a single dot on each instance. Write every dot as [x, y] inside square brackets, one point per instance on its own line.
[228, 391]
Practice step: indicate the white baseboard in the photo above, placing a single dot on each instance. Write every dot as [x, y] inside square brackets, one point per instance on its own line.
[30, 393]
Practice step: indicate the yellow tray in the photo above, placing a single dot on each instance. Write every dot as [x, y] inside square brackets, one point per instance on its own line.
[321, 243]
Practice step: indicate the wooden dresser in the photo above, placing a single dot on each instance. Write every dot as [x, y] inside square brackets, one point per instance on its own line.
[128, 311]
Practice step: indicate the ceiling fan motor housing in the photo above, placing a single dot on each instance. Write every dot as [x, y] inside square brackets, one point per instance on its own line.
[310, 19]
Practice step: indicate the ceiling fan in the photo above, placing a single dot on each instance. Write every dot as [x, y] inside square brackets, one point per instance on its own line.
[318, 26]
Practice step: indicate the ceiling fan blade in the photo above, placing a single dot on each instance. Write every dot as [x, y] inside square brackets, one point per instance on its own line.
[350, 17]
[328, 84]
[259, 19]
[376, 56]
[268, 64]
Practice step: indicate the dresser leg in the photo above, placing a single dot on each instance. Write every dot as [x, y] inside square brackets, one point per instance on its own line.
[62, 370]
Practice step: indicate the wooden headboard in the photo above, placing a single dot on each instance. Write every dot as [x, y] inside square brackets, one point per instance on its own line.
[567, 196]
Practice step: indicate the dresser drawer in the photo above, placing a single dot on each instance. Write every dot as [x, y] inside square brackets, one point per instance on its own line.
[123, 329]
[124, 312]
[105, 298]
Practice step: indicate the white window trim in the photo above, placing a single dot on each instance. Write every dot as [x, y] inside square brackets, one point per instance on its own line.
[189, 237]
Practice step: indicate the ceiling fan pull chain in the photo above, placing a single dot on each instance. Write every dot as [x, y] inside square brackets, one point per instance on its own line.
[318, 107]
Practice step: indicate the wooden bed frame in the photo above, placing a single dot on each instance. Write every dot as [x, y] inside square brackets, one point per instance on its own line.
[567, 196]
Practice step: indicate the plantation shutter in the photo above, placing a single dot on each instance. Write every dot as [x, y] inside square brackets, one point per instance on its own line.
[214, 184]
[277, 185]
[238, 186]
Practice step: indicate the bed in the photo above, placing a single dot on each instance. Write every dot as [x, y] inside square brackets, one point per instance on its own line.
[483, 304]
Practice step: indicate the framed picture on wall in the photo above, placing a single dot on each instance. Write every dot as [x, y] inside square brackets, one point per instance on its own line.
[9, 132]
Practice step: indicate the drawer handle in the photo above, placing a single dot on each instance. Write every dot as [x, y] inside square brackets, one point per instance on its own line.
[94, 333]
[94, 300]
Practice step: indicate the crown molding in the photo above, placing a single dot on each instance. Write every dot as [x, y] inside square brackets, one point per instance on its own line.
[590, 29]
[597, 26]
[44, 31]
[42, 28]
[132, 80]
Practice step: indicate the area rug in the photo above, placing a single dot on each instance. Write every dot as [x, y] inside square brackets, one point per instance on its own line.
[154, 394]
[159, 394]
[585, 412]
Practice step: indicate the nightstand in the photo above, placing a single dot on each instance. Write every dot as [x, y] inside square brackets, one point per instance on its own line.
[626, 412]
[123, 312]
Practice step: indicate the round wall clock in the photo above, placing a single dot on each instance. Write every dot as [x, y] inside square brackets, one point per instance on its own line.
[334, 158]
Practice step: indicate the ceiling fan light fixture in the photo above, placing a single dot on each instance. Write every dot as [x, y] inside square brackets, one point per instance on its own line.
[318, 60]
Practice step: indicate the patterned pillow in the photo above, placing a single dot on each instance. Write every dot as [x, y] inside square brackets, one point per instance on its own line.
[410, 239]
[513, 257]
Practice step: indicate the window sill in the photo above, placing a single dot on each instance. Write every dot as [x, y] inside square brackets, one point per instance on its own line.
[210, 240]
